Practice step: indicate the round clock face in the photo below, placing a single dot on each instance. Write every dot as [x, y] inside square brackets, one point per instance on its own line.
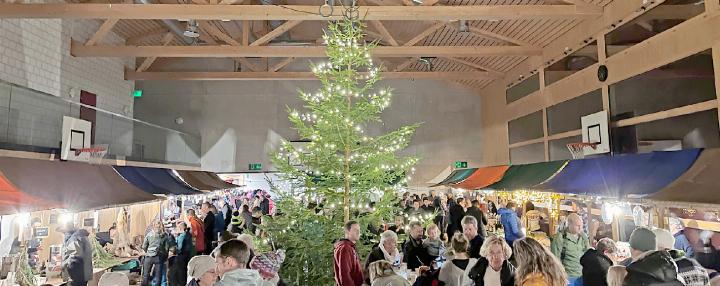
[602, 73]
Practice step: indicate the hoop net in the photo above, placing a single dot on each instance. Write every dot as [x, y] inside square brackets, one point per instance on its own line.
[578, 149]
[95, 153]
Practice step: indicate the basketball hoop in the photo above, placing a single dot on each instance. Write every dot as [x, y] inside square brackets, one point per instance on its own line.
[578, 149]
[95, 153]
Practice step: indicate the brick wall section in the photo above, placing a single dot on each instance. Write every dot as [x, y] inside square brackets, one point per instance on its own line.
[35, 53]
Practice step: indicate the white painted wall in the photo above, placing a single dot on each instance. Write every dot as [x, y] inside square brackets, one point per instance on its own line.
[35, 53]
[238, 120]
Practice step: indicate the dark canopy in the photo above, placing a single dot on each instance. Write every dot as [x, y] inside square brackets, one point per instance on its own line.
[456, 176]
[71, 185]
[206, 181]
[617, 176]
[155, 180]
[700, 184]
[527, 176]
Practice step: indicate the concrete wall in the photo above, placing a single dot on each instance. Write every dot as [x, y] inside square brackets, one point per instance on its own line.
[238, 121]
[34, 53]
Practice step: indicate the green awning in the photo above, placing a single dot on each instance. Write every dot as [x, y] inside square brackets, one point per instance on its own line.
[527, 176]
[457, 176]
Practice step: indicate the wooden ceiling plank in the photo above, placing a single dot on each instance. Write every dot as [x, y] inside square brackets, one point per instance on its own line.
[281, 64]
[276, 32]
[384, 32]
[231, 2]
[424, 34]
[405, 64]
[213, 51]
[245, 32]
[248, 64]
[287, 12]
[133, 75]
[150, 60]
[104, 29]
[131, 41]
[477, 66]
[213, 30]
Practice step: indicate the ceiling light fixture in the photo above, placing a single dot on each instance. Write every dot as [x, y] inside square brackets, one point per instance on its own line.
[191, 30]
[417, 2]
[463, 26]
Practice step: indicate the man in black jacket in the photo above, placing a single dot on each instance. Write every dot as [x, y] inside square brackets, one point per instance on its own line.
[596, 262]
[457, 212]
[479, 215]
[414, 253]
[209, 224]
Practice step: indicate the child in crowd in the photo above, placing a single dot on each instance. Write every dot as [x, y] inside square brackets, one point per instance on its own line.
[433, 244]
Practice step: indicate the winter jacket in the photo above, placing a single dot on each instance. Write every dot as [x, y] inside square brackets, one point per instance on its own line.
[198, 233]
[209, 230]
[569, 251]
[690, 270]
[219, 223]
[156, 244]
[511, 225]
[654, 268]
[390, 280]
[456, 215]
[479, 215]
[595, 267]
[682, 243]
[475, 274]
[245, 277]
[415, 254]
[227, 214]
[452, 275]
[247, 219]
[77, 256]
[185, 246]
[348, 271]
[375, 255]
[535, 279]
[474, 246]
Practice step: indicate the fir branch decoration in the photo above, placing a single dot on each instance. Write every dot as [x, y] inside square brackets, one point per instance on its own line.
[24, 275]
[101, 258]
[355, 175]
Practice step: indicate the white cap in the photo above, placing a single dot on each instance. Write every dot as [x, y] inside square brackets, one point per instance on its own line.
[200, 264]
[114, 279]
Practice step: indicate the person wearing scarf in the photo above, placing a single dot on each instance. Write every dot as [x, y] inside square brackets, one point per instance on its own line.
[385, 250]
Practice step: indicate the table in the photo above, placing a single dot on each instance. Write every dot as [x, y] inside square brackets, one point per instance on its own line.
[97, 272]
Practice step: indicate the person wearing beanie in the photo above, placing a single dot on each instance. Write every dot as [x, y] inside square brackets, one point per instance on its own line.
[690, 270]
[650, 266]
[236, 223]
[201, 271]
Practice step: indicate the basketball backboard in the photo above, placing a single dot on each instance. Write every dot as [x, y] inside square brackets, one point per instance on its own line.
[595, 130]
[76, 134]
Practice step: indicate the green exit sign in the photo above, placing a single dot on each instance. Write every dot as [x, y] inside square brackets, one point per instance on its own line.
[255, 167]
[460, 165]
[137, 93]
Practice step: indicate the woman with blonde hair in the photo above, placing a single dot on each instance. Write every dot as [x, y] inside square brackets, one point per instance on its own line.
[493, 267]
[536, 265]
[382, 274]
[452, 272]
[616, 275]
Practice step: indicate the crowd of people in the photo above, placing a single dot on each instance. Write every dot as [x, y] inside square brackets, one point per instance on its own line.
[211, 245]
[456, 250]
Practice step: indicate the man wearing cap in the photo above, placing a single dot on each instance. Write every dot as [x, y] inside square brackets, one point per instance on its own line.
[201, 271]
[650, 266]
[690, 270]
[77, 255]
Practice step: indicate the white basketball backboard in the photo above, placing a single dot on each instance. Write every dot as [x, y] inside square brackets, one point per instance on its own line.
[76, 134]
[595, 130]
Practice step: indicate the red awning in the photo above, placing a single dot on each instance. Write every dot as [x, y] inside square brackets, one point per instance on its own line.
[483, 177]
[13, 200]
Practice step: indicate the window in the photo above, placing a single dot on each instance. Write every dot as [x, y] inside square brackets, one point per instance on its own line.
[532, 153]
[523, 89]
[565, 116]
[525, 128]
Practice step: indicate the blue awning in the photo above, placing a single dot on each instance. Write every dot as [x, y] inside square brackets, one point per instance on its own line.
[621, 175]
[155, 180]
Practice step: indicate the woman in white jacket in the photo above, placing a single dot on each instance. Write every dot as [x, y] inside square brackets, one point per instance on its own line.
[452, 272]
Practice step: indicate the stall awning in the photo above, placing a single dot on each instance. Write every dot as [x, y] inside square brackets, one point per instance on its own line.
[155, 180]
[527, 176]
[617, 176]
[440, 177]
[700, 184]
[70, 185]
[483, 177]
[456, 176]
[205, 181]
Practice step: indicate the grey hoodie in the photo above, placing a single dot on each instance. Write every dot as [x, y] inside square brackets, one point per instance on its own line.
[245, 277]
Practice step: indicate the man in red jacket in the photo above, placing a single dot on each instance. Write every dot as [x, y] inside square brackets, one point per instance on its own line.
[348, 271]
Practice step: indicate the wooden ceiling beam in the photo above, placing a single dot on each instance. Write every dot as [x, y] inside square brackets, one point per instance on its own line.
[405, 64]
[281, 64]
[477, 66]
[133, 75]
[245, 32]
[424, 34]
[498, 37]
[131, 41]
[282, 29]
[150, 60]
[104, 29]
[80, 50]
[384, 32]
[215, 31]
[291, 12]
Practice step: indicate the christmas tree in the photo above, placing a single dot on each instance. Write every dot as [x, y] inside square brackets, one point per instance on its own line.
[343, 173]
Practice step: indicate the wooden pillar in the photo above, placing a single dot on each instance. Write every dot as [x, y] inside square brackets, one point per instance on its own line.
[716, 63]
[616, 228]
[541, 78]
